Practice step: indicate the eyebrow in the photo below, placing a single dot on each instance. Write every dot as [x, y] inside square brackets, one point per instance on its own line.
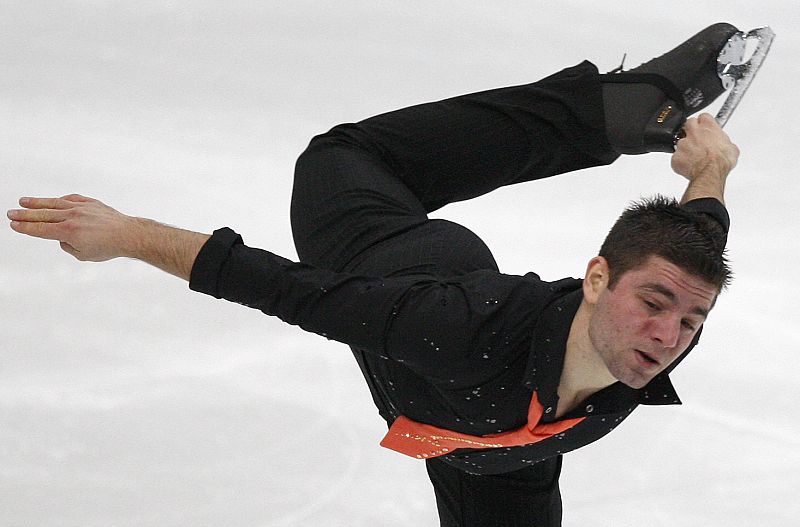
[658, 288]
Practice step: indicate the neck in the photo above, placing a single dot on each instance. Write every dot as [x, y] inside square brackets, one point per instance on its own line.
[584, 371]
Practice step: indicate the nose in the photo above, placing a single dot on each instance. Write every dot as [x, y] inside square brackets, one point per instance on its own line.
[666, 331]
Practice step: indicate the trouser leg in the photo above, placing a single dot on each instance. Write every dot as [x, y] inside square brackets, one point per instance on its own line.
[525, 498]
[361, 184]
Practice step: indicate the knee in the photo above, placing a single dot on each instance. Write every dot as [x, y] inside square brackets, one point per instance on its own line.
[349, 136]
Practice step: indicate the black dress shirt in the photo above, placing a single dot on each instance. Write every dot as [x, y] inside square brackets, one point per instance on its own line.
[463, 353]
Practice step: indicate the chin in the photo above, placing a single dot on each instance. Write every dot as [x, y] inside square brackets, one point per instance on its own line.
[636, 384]
[631, 379]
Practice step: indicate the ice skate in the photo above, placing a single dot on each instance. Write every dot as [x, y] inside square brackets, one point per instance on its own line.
[646, 107]
[735, 73]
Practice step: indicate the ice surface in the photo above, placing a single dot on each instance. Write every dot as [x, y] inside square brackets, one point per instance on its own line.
[127, 400]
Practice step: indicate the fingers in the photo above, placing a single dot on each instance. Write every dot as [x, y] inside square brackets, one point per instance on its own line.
[48, 231]
[704, 121]
[689, 128]
[77, 198]
[42, 217]
[707, 119]
[703, 128]
[49, 203]
[691, 125]
[39, 215]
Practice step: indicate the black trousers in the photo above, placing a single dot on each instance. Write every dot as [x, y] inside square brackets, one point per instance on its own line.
[361, 197]
[526, 498]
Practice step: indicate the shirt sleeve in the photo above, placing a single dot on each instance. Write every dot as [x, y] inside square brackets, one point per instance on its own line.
[714, 208]
[430, 324]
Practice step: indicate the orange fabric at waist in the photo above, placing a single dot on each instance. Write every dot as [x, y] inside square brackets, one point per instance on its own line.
[425, 441]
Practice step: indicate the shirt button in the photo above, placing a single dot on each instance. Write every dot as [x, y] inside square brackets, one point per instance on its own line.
[548, 410]
[590, 408]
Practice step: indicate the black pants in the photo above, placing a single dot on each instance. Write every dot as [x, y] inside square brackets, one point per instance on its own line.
[526, 498]
[360, 202]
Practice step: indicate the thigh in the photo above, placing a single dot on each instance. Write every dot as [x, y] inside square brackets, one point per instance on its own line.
[346, 200]
[525, 498]
[437, 247]
[351, 212]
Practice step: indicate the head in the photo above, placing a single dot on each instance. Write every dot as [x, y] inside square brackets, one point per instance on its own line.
[650, 289]
[659, 226]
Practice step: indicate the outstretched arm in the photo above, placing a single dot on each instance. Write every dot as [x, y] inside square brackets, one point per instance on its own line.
[89, 230]
[704, 156]
[431, 325]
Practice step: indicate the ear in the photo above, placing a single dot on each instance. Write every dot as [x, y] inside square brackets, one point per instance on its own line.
[596, 279]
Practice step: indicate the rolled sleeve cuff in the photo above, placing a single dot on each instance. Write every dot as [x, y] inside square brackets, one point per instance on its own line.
[714, 208]
[208, 264]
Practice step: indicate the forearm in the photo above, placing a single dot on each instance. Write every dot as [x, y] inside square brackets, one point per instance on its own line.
[711, 185]
[168, 248]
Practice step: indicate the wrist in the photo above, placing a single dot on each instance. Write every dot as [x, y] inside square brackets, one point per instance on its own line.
[706, 185]
[170, 249]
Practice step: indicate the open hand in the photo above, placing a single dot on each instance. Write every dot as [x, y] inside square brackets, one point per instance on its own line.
[87, 229]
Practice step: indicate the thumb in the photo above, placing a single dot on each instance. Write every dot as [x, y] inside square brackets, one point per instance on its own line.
[70, 249]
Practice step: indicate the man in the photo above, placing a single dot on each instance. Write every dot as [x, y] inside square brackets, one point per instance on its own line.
[488, 377]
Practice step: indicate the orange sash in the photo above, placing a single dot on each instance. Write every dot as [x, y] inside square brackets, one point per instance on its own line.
[427, 441]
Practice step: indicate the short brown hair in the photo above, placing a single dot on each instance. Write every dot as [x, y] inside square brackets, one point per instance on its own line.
[660, 226]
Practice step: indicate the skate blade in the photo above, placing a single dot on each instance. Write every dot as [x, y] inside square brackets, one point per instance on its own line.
[735, 73]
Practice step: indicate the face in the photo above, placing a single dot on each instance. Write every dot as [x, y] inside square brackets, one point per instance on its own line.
[648, 319]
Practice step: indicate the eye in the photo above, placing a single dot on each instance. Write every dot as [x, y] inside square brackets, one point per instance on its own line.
[651, 305]
[688, 325]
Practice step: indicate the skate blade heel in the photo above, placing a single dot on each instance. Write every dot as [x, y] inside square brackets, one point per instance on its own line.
[735, 73]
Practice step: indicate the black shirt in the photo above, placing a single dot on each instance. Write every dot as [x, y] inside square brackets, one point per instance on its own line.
[463, 353]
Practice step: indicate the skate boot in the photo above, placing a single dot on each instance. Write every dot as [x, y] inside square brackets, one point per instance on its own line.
[647, 106]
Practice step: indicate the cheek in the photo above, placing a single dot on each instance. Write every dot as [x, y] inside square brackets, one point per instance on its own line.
[611, 323]
[625, 319]
[678, 350]
[684, 342]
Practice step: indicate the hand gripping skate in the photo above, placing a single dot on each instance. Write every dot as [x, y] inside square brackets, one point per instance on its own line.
[646, 107]
[736, 74]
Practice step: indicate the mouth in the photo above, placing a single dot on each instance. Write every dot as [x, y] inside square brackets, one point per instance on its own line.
[646, 359]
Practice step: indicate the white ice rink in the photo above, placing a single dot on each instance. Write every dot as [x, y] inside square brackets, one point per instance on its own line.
[128, 400]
